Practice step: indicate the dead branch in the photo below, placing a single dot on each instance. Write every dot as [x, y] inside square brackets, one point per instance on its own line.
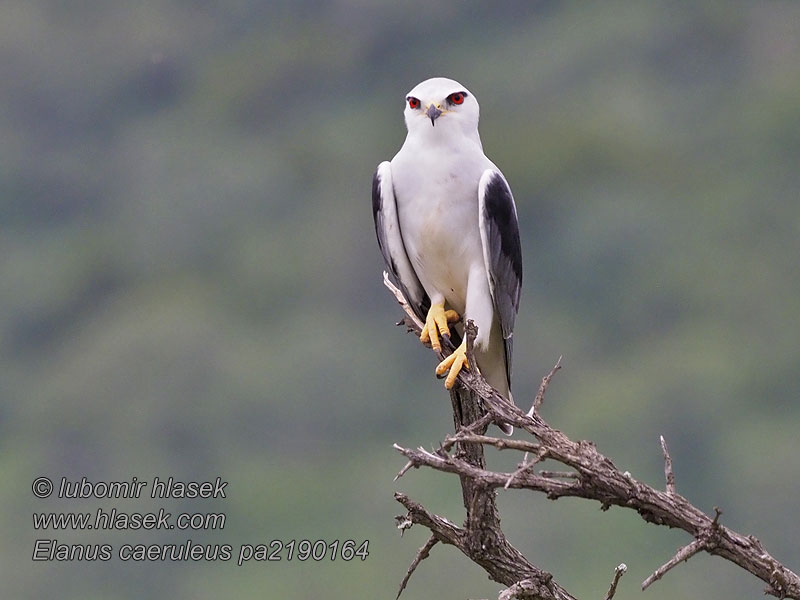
[669, 474]
[593, 477]
[522, 589]
[682, 555]
[618, 573]
[488, 548]
[537, 401]
[422, 554]
[480, 538]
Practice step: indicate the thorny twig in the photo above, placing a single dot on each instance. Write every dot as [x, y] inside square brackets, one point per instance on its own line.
[595, 477]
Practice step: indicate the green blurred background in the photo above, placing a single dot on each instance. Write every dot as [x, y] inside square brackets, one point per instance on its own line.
[191, 284]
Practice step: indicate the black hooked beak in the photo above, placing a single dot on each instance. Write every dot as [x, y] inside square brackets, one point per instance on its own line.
[433, 114]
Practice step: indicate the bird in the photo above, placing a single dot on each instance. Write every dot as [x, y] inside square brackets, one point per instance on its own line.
[448, 231]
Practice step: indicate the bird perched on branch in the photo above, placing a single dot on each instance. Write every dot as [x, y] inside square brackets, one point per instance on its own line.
[447, 228]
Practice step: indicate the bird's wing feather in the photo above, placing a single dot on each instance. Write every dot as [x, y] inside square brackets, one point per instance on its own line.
[390, 241]
[502, 254]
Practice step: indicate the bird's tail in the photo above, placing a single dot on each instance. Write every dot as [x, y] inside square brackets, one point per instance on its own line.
[492, 366]
[505, 427]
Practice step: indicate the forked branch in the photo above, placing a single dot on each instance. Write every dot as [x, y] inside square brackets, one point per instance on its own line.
[592, 476]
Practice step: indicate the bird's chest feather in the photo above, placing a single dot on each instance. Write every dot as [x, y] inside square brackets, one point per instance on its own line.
[438, 213]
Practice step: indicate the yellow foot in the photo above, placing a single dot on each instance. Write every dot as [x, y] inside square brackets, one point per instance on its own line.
[436, 325]
[455, 362]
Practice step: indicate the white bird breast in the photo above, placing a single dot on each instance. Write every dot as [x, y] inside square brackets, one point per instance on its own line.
[437, 205]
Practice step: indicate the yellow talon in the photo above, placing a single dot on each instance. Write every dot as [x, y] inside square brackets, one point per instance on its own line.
[455, 362]
[436, 325]
[452, 316]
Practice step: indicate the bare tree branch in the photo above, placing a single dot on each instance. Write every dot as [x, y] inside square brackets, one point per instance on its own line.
[522, 589]
[618, 573]
[595, 477]
[682, 555]
[410, 317]
[537, 401]
[488, 548]
[422, 554]
[499, 443]
[669, 474]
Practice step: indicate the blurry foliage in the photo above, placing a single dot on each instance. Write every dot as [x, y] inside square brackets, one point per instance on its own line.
[191, 284]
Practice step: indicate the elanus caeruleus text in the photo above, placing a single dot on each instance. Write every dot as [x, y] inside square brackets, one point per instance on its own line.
[447, 228]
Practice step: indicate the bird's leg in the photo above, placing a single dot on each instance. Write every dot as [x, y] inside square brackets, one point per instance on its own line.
[436, 325]
[455, 362]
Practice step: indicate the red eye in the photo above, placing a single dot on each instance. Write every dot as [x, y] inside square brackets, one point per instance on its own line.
[413, 102]
[457, 98]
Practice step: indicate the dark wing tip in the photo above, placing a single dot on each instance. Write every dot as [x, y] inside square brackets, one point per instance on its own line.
[376, 194]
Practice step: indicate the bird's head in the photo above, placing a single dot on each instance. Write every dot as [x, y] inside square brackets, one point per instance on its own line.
[441, 106]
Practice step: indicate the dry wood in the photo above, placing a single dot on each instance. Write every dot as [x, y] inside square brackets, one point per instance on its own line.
[669, 474]
[618, 573]
[594, 477]
[422, 554]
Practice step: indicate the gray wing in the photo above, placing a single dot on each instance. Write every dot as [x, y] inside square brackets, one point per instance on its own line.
[390, 241]
[502, 254]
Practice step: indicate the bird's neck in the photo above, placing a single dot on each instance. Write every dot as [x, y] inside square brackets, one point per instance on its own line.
[443, 140]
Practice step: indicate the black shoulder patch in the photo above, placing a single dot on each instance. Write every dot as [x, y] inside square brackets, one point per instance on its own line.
[500, 209]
